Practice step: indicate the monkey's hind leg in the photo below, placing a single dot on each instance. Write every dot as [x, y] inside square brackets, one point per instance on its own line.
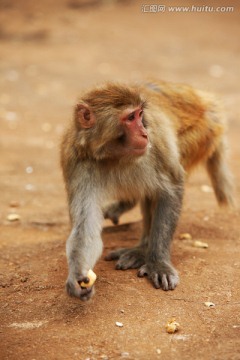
[135, 257]
[220, 175]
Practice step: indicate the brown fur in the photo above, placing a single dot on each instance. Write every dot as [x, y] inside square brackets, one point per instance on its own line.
[200, 128]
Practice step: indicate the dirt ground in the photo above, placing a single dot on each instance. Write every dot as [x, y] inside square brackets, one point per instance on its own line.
[49, 51]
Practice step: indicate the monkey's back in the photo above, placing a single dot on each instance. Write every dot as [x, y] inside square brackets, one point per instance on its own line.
[195, 115]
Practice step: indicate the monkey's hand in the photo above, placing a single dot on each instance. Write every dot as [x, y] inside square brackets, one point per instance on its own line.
[128, 258]
[161, 273]
[115, 210]
[74, 288]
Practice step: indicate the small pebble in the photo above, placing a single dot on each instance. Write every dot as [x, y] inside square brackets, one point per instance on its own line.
[29, 170]
[30, 187]
[206, 189]
[119, 324]
[14, 204]
[125, 354]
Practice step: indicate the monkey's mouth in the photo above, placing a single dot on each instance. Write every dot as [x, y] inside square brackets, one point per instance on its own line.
[140, 146]
[139, 151]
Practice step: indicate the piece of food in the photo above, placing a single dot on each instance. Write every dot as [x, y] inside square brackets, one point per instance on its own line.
[209, 304]
[92, 278]
[172, 326]
[200, 244]
[13, 217]
[185, 236]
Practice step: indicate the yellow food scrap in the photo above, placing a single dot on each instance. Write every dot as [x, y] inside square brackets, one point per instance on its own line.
[200, 244]
[209, 304]
[92, 277]
[185, 236]
[13, 217]
[172, 326]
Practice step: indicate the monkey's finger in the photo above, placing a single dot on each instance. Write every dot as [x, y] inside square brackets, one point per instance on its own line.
[155, 280]
[130, 260]
[75, 290]
[142, 271]
[111, 256]
[114, 219]
[173, 281]
[169, 282]
[120, 266]
[114, 255]
[164, 281]
[87, 293]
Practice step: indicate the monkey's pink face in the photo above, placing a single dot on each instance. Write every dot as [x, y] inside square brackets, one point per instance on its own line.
[127, 135]
[135, 136]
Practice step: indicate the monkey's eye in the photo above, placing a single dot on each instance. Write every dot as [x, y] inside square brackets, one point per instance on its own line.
[144, 122]
[131, 117]
[141, 113]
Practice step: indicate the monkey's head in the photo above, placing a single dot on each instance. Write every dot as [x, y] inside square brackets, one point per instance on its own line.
[109, 121]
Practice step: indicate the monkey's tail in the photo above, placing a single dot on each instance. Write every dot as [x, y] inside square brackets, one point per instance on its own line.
[220, 175]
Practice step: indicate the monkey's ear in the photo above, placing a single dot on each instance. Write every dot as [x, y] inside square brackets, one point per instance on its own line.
[84, 116]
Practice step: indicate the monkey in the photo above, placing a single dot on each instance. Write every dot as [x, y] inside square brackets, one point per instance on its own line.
[137, 143]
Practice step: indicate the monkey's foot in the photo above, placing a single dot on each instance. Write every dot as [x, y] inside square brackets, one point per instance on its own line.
[128, 258]
[162, 274]
[74, 289]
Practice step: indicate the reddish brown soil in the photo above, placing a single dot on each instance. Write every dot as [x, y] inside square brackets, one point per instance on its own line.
[50, 50]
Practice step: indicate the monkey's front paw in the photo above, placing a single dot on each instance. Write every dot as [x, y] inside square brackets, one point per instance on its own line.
[74, 289]
[162, 274]
[128, 258]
